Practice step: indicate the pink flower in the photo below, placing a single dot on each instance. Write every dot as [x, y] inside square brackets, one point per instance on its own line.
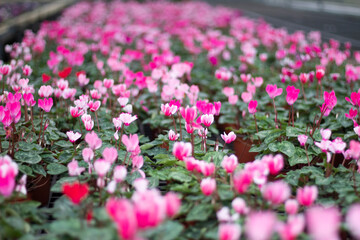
[172, 135]
[110, 154]
[127, 119]
[131, 142]
[307, 195]
[276, 192]
[267, 221]
[330, 101]
[188, 113]
[246, 97]
[353, 221]
[168, 110]
[239, 205]
[76, 112]
[87, 154]
[137, 162]
[323, 223]
[217, 107]
[229, 231]
[274, 163]
[337, 145]
[354, 99]
[207, 169]
[228, 91]
[123, 101]
[323, 145]
[242, 180]
[228, 138]
[101, 167]
[208, 185]
[320, 73]
[252, 106]
[94, 106]
[93, 140]
[325, 134]
[123, 213]
[173, 204]
[302, 139]
[45, 104]
[233, 99]
[45, 91]
[5, 69]
[74, 169]
[273, 91]
[182, 150]
[108, 83]
[352, 113]
[120, 173]
[89, 125]
[292, 94]
[207, 119]
[29, 99]
[294, 226]
[354, 149]
[229, 163]
[8, 172]
[291, 206]
[304, 78]
[73, 137]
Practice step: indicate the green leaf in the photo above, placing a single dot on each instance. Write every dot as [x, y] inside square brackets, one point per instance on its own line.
[27, 157]
[26, 170]
[167, 231]
[39, 169]
[64, 144]
[293, 131]
[180, 176]
[56, 168]
[287, 148]
[200, 212]
[298, 157]
[24, 146]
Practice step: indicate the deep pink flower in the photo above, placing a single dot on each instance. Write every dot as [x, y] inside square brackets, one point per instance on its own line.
[355, 99]
[242, 180]
[330, 101]
[8, 172]
[94, 106]
[173, 204]
[273, 91]
[307, 195]
[292, 94]
[252, 106]
[274, 163]
[168, 110]
[45, 104]
[304, 77]
[172, 135]
[320, 73]
[76, 112]
[188, 113]
[182, 150]
[29, 99]
[352, 113]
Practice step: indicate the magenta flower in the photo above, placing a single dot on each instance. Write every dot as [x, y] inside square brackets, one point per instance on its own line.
[354, 99]
[94, 106]
[252, 106]
[292, 94]
[307, 195]
[273, 91]
[188, 113]
[274, 163]
[8, 172]
[330, 101]
[45, 104]
[168, 110]
[352, 114]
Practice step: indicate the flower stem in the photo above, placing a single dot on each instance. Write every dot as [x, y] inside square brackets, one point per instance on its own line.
[42, 117]
[302, 88]
[276, 121]
[180, 125]
[256, 127]
[97, 121]
[307, 155]
[174, 124]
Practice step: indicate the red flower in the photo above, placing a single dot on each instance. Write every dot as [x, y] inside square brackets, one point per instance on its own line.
[75, 191]
[45, 78]
[65, 72]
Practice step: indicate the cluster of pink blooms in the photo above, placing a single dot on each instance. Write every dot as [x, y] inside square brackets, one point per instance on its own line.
[8, 173]
[146, 209]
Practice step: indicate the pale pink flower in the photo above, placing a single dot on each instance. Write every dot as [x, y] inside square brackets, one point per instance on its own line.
[353, 220]
[89, 125]
[325, 134]
[302, 139]
[294, 226]
[228, 91]
[229, 163]
[228, 138]
[291, 206]
[123, 101]
[127, 119]
[45, 91]
[120, 173]
[323, 145]
[173, 204]
[93, 140]
[337, 145]
[87, 154]
[73, 137]
[267, 221]
[207, 169]
[233, 99]
[74, 169]
[110, 154]
[101, 167]
[275, 163]
[239, 205]
[246, 97]
[307, 195]
[182, 150]
[131, 142]
[108, 83]
[354, 149]
[208, 185]
[229, 231]
[276, 192]
[323, 223]
[207, 119]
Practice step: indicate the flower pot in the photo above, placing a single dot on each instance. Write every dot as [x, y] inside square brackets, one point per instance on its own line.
[39, 189]
[242, 150]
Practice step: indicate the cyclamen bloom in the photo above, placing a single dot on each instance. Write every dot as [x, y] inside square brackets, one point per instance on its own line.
[292, 94]
[45, 91]
[267, 221]
[274, 163]
[127, 119]
[73, 137]
[242, 181]
[131, 142]
[291, 206]
[207, 119]
[93, 140]
[208, 185]
[229, 231]
[302, 139]
[252, 106]
[229, 163]
[353, 221]
[330, 102]
[188, 113]
[75, 191]
[94, 106]
[273, 91]
[74, 169]
[8, 173]
[323, 223]
[228, 138]
[182, 150]
[276, 192]
[45, 104]
[239, 205]
[173, 204]
[307, 195]
[120, 173]
[172, 135]
[110, 154]
[168, 110]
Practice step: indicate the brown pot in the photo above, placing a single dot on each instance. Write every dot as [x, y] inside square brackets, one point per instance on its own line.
[241, 148]
[39, 189]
